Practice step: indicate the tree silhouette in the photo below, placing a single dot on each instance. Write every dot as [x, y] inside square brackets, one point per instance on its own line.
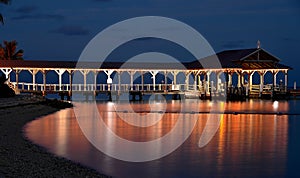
[9, 51]
[1, 17]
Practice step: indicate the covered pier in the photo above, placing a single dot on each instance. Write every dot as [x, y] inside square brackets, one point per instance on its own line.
[244, 72]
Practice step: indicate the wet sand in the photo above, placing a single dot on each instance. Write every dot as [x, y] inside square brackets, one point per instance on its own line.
[21, 158]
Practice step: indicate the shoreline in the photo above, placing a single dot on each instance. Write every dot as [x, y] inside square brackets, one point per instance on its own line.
[19, 157]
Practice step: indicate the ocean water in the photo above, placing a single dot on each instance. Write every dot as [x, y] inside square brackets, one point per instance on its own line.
[256, 138]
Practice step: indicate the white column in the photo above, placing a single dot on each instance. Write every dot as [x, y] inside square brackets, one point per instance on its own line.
[187, 81]
[60, 72]
[33, 73]
[109, 79]
[142, 79]
[175, 73]
[199, 81]
[243, 78]
[286, 80]
[17, 78]
[33, 79]
[108, 73]
[196, 78]
[251, 81]
[229, 79]
[218, 74]
[70, 80]
[131, 73]
[166, 81]
[154, 73]
[275, 78]
[119, 80]
[239, 79]
[95, 80]
[205, 82]
[195, 81]
[44, 81]
[208, 80]
[261, 86]
[6, 72]
[84, 73]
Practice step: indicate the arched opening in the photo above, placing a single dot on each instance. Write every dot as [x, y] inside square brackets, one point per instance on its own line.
[180, 78]
[268, 78]
[125, 78]
[137, 78]
[234, 79]
[280, 77]
[213, 81]
[39, 80]
[246, 78]
[255, 78]
[52, 77]
[222, 78]
[170, 78]
[77, 77]
[101, 78]
[65, 81]
[147, 78]
[12, 76]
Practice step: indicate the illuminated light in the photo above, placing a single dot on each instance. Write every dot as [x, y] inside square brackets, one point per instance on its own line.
[109, 81]
[111, 106]
[110, 103]
[275, 104]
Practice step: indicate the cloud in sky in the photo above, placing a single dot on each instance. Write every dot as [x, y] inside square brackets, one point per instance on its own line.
[38, 17]
[31, 12]
[26, 9]
[71, 30]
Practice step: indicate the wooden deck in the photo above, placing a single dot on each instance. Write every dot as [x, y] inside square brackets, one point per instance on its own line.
[294, 93]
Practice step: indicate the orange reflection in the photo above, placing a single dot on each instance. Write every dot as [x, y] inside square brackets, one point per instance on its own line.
[242, 139]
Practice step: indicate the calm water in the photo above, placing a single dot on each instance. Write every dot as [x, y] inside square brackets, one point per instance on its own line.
[245, 145]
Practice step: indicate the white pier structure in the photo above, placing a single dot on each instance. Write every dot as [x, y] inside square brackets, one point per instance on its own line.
[255, 71]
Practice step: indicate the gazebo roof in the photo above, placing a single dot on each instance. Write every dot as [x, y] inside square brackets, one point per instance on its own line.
[253, 58]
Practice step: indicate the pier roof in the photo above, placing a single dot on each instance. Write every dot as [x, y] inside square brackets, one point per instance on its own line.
[254, 58]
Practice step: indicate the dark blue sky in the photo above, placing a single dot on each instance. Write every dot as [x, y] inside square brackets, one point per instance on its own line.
[60, 29]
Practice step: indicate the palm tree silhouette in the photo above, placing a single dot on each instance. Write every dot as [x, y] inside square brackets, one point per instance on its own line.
[9, 51]
[3, 2]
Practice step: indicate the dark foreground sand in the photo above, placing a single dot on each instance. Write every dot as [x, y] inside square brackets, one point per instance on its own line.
[18, 156]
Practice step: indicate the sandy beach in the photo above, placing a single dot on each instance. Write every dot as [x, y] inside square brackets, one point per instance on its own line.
[21, 158]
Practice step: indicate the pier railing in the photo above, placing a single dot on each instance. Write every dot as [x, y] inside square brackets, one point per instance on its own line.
[254, 90]
[29, 87]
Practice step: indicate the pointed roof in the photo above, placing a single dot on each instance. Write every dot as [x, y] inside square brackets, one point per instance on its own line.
[253, 58]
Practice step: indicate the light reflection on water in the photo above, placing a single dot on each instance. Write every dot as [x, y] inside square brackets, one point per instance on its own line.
[245, 144]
